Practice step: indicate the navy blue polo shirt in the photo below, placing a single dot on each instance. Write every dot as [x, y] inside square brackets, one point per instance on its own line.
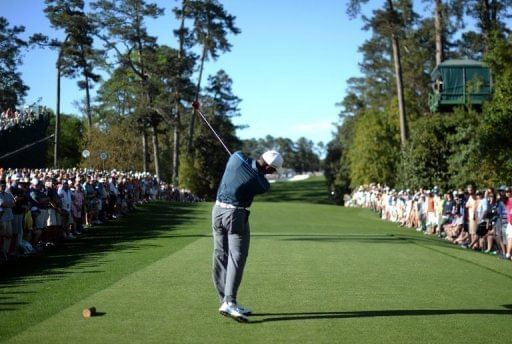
[241, 181]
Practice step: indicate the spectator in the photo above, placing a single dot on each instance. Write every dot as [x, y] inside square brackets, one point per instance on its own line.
[39, 209]
[431, 213]
[54, 229]
[501, 223]
[491, 220]
[509, 228]
[12, 118]
[91, 202]
[65, 210]
[45, 208]
[481, 220]
[19, 190]
[459, 213]
[77, 208]
[6, 217]
[471, 207]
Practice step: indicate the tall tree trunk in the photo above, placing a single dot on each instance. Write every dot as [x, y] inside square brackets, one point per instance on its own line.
[439, 31]
[198, 89]
[57, 118]
[56, 147]
[487, 25]
[88, 106]
[149, 99]
[177, 120]
[87, 91]
[156, 151]
[144, 150]
[175, 152]
[404, 132]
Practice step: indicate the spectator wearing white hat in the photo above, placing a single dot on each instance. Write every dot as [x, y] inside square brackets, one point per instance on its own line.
[39, 208]
[471, 207]
[243, 179]
[54, 228]
[65, 209]
[19, 191]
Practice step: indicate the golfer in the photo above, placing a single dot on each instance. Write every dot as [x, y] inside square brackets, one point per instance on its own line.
[243, 179]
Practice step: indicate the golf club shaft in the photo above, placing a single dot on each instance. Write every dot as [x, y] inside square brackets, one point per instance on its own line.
[213, 131]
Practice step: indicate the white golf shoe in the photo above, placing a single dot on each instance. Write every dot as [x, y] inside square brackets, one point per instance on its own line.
[244, 310]
[232, 310]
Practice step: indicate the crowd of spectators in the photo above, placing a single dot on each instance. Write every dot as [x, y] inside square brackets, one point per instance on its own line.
[10, 118]
[475, 219]
[42, 207]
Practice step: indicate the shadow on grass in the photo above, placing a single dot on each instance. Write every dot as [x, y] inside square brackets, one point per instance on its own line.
[436, 245]
[152, 220]
[364, 238]
[270, 317]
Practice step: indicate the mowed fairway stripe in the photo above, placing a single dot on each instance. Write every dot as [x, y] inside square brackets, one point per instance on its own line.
[150, 305]
[324, 286]
[316, 274]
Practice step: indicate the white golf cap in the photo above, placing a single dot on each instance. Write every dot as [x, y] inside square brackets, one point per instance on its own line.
[273, 158]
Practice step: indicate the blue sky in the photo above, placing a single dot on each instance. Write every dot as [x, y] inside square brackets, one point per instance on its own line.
[289, 65]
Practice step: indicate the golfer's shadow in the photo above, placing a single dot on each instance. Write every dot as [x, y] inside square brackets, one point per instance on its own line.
[269, 317]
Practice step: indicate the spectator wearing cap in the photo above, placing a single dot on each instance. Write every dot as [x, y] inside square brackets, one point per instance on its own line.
[447, 212]
[39, 208]
[439, 200]
[471, 208]
[431, 213]
[54, 228]
[491, 220]
[65, 209]
[456, 225]
[480, 219]
[6, 217]
[19, 190]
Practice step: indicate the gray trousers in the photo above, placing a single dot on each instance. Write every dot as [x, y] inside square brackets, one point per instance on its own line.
[231, 236]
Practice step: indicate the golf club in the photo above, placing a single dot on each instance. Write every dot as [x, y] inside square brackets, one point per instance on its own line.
[196, 106]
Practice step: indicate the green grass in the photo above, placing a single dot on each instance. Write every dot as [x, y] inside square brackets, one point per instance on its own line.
[317, 273]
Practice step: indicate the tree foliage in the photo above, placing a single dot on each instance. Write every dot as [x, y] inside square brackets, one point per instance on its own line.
[77, 57]
[72, 131]
[12, 87]
[300, 156]
[202, 168]
[448, 149]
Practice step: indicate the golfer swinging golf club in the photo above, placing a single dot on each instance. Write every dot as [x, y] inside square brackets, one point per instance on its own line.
[243, 179]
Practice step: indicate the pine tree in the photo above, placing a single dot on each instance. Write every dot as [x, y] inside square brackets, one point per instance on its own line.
[211, 25]
[123, 31]
[12, 87]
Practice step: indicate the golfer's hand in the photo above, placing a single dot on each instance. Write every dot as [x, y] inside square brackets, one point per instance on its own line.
[196, 105]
